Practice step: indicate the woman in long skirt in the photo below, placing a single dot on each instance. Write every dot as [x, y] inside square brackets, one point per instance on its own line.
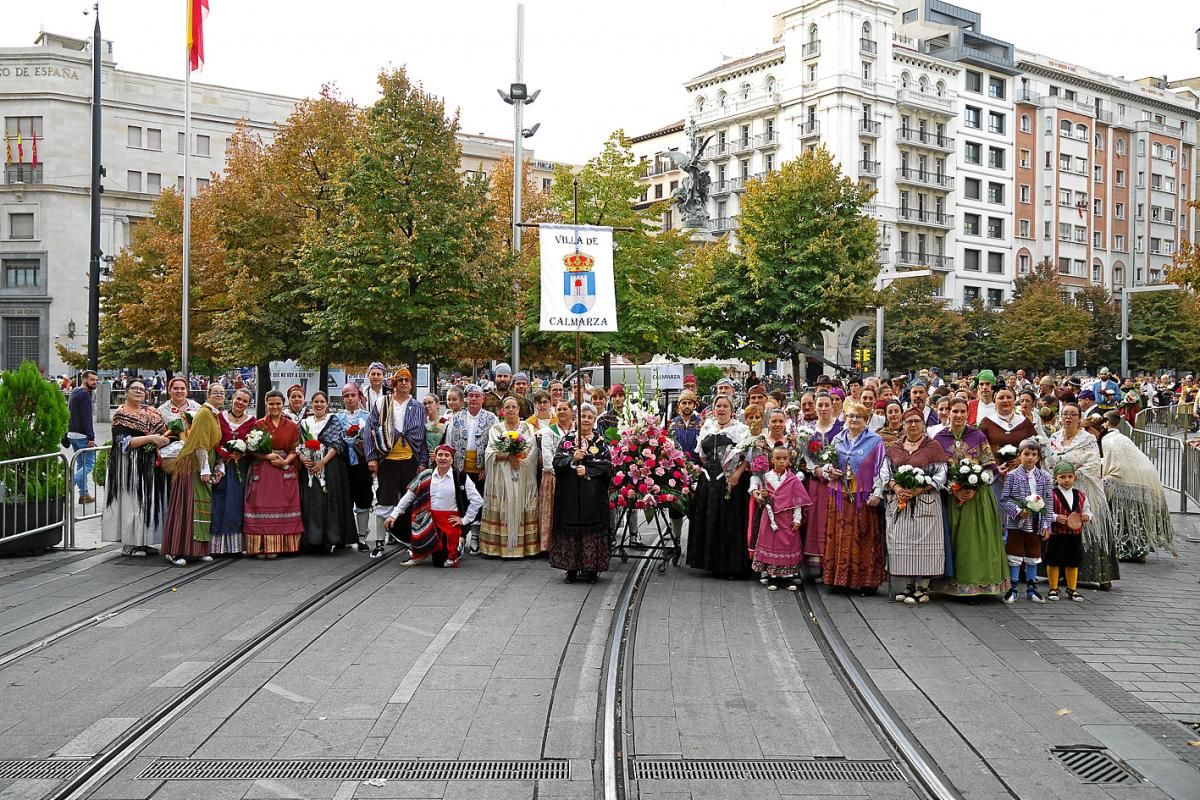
[1134, 493]
[510, 512]
[826, 427]
[325, 502]
[136, 502]
[853, 539]
[980, 566]
[914, 524]
[229, 493]
[354, 419]
[583, 471]
[718, 513]
[186, 532]
[549, 436]
[273, 524]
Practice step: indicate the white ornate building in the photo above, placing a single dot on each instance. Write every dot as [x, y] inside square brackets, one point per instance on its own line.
[966, 142]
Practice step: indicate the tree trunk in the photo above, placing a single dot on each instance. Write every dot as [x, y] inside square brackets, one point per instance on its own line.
[607, 371]
[323, 380]
[263, 385]
[796, 377]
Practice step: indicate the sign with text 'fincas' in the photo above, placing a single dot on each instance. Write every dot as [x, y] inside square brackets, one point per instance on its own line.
[577, 278]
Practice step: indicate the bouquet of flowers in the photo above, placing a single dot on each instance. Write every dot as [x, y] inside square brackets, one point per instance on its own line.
[1008, 452]
[1034, 504]
[967, 473]
[259, 441]
[511, 444]
[911, 478]
[827, 455]
[234, 450]
[178, 427]
[651, 471]
[312, 450]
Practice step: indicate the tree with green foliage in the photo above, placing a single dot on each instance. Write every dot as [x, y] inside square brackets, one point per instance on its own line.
[726, 317]
[33, 420]
[1101, 347]
[1166, 331]
[406, 269]
[1040, 324]
[982, 348]
[809, 251]
[651, 269]
[919, 331]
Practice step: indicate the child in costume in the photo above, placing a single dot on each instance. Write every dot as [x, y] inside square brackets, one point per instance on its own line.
[1025, 505]
[1064, 549]
[778, 551]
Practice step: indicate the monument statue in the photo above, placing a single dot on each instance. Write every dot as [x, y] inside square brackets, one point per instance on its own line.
[692, 195]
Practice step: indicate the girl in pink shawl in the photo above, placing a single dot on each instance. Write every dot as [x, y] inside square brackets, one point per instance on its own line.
[778, 552]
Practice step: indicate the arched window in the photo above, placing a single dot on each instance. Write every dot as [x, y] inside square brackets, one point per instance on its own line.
[770, 85]
[866, 30]
[905, 79]
[1099, 141]
[700, 103]
[1118, 273]
[812, 33]
[941, 89]
[1026, 126]
[1064, 127]
[1081, 132]
[923, 84]
[745, 91]
[721, 98]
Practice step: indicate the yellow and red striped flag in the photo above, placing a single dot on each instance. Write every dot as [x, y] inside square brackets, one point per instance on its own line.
[20, 148]
[35, 158]
[7, 149]
[196, 10]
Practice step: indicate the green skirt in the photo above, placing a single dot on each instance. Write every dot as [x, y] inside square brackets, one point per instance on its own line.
[980, 566]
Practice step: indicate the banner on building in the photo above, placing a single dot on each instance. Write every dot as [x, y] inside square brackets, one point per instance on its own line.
[577, 278]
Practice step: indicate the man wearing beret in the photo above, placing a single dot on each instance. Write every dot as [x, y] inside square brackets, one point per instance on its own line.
[984, 403]
[396, 450]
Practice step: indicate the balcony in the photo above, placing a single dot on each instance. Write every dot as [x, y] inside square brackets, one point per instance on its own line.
[737, 185]
[768, 139]
[737, 105]
[869, 46]
[918, 177]
[719, 150]
[722, 224]
[744, 145]
[720, 188]
[811, 49]
[868, 127]
[868, 169]
[915, 216]
[1028, 96]
[809, 128]
[1076, 106]
[938, 263]
[1157, 127]
[927, 100]
[926, 139]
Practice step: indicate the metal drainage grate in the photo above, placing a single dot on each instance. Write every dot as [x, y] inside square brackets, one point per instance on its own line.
[792, 770]
[349, 769]
[46, 768]
[1093, 765]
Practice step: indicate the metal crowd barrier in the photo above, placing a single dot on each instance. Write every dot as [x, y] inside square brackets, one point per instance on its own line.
[33, 492]
[80, 511]
[1177, 462]
[1169, 420]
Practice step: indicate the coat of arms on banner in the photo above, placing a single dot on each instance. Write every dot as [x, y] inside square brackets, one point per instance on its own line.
[579, 282]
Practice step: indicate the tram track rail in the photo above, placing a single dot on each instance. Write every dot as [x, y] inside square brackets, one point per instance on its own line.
[97, 769]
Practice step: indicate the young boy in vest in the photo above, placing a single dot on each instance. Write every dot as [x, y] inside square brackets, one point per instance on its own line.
[444, 501]
[1064, 549]
[1028, 513]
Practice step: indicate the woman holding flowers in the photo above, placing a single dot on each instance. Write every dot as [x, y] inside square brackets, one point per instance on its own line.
[549, 436]
[510, 510]
[136, 501]
[1071, 443]
[273, 523]
[719, 508]
[913, 475]
[325, 502]
[1005, 428]
[354, 420]
[187, 532]
[229, 493]
[976, 543]
[853, 543]
[583, 471]
[821, 436]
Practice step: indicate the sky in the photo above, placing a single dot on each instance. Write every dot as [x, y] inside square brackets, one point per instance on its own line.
[600, 66]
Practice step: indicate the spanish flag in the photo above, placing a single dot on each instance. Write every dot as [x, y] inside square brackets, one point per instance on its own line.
[20, 148]
[196, 10]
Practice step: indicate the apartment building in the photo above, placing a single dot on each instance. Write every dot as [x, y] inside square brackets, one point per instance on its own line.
[660, 177]
[949, 126]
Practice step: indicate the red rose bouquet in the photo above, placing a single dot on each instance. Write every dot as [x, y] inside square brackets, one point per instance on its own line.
[651, 472]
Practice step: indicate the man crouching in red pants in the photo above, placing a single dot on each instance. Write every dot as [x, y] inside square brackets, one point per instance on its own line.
[444, 502]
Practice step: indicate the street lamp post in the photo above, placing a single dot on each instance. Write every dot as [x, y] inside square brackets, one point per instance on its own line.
[880, 284]
[518, 96]
[1124, 336]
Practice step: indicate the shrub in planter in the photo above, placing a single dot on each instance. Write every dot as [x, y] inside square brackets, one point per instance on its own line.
[100, 468]
[33, 419]
[706, 377]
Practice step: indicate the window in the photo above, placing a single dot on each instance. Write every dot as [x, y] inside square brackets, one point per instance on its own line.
[769, 128]
[908, 16]
[20, 226]
[1026, 125]
[996, 123]
[1064, 163]
[1049, 125]
[1049, 160]
[1141, 148]
[972, 188]
[1097, 270]
[201, 184]
[995, 298]
[1064, 197]
[1064, 266]
[745, 166]
[974, 81]
[1155, 245]
[971, 260]
[970, 295]
[179, 144]
[645, 190]
[1023, 263]
[1024, 228]
[1119, 242]
[1081, 199]
[1081, 132]
[971, 224]
[546, 184]
[1025, 156]
[996, 263]
[1099, 142]
[812, 72]
[1156, 150]
[667, 222]
[996, 193]
[972, 117]
[201, 145]
[1077, 267]
[1119, 147]
[1119, 177]
[133, 136]
[769, 162]
[866, 70]
[1098, 207]
[26, 127]
[1141, 211]
[133, 181]
[1119, 210]
[1098, 174]
[1081, 165]
[1024, 192]
[995, 229]
[22, 341]
[153, 139]
[658, 191]
[1046, 230]
[1097, 240]
[22, 273]
[973, 153]
[996, 157]
[1081, 234]
[996, 87]
[1064, 128]
[1064, 231]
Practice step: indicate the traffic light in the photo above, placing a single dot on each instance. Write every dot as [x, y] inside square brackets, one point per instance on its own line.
[866, 356]
[858, 357]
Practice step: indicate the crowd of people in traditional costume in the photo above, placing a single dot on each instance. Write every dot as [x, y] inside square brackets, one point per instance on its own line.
[965, 488]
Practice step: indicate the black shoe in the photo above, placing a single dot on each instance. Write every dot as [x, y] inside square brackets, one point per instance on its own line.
[377, 552]
[590, 577]
[570, 576]
[363, 547]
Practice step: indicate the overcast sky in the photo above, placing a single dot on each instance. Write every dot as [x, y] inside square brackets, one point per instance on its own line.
[601, 66]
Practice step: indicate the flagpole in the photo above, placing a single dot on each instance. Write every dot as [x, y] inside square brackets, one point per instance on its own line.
[187, 202]
[93, 333]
